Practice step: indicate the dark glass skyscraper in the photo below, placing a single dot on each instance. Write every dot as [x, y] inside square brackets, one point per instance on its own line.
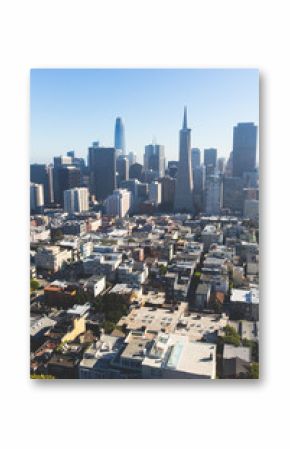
[120, 135]
[102, 167]
[122, 165]
[67, 177]
[244, 148]
[184, 182]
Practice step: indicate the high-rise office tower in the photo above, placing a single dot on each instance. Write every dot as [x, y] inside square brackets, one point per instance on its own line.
[210, 156]
[135, 171]
[154, 159]
[184, 182]
[213, 195]
[60, 161]
[229, 165]
[118, 204]
[167, 192]
[210, 161]
[102, 166]
[199, 186]
[132, 158]
[233, 194]
[172, 168]
[71, 153]
[43, 174]
[120, 136]
[244, 148]
[36, 198]
[122, 165]
[221, 165]
[142, 191]
[195, 157]
[155, 192]
[76, 200]
[66, 177]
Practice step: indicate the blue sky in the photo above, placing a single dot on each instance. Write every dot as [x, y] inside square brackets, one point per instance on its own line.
[71, 108]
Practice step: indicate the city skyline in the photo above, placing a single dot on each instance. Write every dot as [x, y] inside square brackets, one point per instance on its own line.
[63, 115]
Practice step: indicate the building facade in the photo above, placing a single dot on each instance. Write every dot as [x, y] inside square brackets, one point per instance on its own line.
[102, 167]
[76, 200]
[244, 148]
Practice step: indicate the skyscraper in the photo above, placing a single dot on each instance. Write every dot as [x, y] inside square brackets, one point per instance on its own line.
[135, 171]
[118, 204]
[154, 159]
[244, 148]
[195, 157]
[76, 200]
[120, 135]
[184, 181]
[66, 177]
[102, 166]
[213, 195]
[210, 161]
[155, 192]
[36, 198]
[132, 158]
[122, 165]
[43, 174]
[233, 194]
[167, 192]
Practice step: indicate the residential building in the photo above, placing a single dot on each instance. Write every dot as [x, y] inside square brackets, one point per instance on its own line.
[36, 198]
[119, 203]
[76, 200]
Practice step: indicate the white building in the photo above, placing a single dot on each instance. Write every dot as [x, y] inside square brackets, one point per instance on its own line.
[39, 233]
[155, 192]
[36, 197]
[96, 362]
[52, 258]
[174, 356]
[213, 195]
[211, 234]
[76, 200]
[118, 204]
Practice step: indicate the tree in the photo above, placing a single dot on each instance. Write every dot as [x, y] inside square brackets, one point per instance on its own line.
[231, 336]
[109, 326]
[254, 345]
[254, 371]
[232, 340]
[34, 284]
[162, 270]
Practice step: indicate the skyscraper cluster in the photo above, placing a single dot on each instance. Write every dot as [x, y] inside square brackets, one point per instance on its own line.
[212, 187]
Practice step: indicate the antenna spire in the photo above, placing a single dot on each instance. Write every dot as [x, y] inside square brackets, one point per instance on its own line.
[185, 118]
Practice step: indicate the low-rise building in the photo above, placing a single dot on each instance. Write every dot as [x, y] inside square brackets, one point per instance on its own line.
[202, 295]
[51, 258]
[174, 356]
[244, 304]
[236, 361]
[97, 359]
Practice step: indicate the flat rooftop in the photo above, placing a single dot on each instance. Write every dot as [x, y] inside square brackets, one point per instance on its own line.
[178, 353]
